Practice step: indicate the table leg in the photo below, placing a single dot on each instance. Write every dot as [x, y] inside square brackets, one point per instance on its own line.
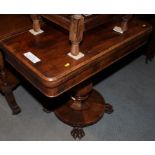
[125, 21]
[85, 107]
[76, 33]
[6, 87]
[36, 22]
[11, 101]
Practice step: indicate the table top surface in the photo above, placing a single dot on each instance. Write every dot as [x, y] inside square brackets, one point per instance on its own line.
[57, 72]
[20, 23]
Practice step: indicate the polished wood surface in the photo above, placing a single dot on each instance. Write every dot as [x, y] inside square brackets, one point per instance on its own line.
[13, 24]
[52, 76]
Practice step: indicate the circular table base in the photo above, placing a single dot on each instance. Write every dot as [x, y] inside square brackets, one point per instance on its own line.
[78, 119]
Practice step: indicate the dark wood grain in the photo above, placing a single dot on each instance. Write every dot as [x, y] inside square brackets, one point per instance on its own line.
[102, 47]
[13, 24]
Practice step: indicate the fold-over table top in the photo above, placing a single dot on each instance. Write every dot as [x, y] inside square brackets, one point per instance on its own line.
[56, 72]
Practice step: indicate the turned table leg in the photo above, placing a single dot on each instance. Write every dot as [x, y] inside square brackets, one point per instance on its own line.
[85, 107]
[125, 21]
[36, 22]
[76, 33]
[6, 87]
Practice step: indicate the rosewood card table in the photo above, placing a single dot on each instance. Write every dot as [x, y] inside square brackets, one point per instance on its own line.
[44, 61]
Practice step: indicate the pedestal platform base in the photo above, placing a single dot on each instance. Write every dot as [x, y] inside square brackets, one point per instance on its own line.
[92, 110]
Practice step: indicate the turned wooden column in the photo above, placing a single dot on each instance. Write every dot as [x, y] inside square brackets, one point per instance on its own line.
[76, 33]
[7, 86]
[85, 107]
[36, 22]
[80, 94]
[125, 20]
